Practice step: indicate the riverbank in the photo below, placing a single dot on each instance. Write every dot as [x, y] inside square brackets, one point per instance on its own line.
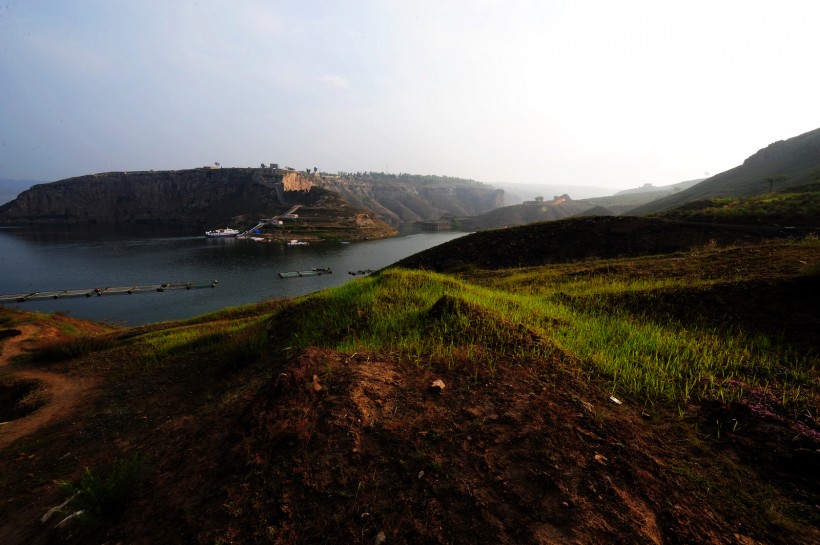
[85, 258]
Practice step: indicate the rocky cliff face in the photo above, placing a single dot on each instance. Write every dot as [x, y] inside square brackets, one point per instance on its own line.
[407, 198]
[195, 197]
[210, 197]
[296, 181]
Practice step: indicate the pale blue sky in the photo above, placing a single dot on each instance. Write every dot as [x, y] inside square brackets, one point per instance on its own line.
[600, 93]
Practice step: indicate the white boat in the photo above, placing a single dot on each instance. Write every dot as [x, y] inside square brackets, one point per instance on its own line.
[226, 232]
[295, 242]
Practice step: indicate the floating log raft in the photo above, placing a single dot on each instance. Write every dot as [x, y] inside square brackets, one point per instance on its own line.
[98, 292]
[316, 271]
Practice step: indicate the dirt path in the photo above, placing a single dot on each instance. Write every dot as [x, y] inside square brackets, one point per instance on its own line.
[62, 391]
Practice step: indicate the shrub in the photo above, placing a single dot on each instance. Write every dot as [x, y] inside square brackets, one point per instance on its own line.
[103, 498]
[73, 348]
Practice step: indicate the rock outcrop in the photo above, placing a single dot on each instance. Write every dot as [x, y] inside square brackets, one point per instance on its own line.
[193, 197]
[404, 198]
[208, 197]
[296, 181]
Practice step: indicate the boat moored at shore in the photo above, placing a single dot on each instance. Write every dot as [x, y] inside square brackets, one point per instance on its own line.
[226, 232]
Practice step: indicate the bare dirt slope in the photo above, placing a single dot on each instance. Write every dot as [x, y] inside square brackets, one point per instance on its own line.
[59, 393]
[342, 449]
[345, 448]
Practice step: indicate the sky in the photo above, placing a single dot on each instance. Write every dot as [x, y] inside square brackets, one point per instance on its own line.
[600, 93]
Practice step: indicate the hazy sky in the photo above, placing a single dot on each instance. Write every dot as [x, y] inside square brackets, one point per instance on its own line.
[599, 92]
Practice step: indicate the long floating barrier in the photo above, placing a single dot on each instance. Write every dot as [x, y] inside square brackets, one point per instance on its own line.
[99, 292]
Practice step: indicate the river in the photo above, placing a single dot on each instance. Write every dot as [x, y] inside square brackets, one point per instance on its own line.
[46, 258]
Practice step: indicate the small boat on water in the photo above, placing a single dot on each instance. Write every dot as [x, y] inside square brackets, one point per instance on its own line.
[295, 242]
[226, 232]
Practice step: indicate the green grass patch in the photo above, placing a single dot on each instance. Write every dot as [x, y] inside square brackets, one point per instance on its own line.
[439, 320]
[103, 497]
[791, 204]
[251, 311]
[7, 318]
[65, 349]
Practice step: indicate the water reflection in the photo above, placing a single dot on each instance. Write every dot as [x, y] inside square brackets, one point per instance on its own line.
[51, 234]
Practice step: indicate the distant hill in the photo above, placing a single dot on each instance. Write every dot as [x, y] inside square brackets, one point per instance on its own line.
[715, 222]
[518, 193]
[209, 197]
[577, 239]
[624, 203]
[563, 206]
[529, 212]
[665, 189]
[406, 198]
[778, 166]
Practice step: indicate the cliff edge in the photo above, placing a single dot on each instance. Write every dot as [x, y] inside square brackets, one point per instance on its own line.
[187, 197]
[206, 197]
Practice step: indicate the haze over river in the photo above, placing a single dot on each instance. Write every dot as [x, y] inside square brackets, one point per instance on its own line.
[48, 259]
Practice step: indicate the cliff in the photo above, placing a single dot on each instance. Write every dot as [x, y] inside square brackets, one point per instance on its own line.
[193, 197]
[9, 189]
[406, 198]
[208, 197]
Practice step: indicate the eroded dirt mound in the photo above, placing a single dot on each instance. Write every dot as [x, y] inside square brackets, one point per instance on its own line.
[356, 449]
[327, 447]
[349, 448]
[19, 398]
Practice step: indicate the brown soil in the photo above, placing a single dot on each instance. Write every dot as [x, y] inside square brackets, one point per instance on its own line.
[338, 448]
[350, 447]
[61, 393]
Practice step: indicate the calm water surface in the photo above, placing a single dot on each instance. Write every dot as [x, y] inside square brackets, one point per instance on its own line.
[45, 259]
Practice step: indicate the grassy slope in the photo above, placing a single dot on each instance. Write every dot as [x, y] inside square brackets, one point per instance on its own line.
[798, 206]
[311, 420]
[797, 160]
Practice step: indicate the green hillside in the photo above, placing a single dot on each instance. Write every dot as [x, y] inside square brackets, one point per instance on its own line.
[791, 207]
[781, 165]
